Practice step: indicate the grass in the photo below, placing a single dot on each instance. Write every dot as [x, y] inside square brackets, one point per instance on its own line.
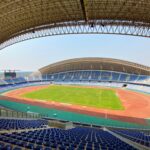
[91, 97]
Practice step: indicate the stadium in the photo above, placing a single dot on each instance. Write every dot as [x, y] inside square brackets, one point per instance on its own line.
[85, 103]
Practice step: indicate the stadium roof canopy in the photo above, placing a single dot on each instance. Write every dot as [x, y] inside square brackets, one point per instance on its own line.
[96, 64]
[25, 19]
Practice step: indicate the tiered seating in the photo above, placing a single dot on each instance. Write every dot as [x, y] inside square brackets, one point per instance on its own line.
[68, 77]
[2, 82]
[123, 77]
[133, 78]
[77, 76]
[95, 75]
[9, 124]
[115, 76]
[55, 77]
[141, 78]
[19, 80]
[61, 77]
[47, 77]
[141, 137]
[77, 138]
[141, 88]
[105, 76]
[15, 80]
[85, 76]
[9, 81]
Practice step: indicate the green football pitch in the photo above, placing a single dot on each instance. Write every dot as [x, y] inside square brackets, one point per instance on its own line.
[91, 97]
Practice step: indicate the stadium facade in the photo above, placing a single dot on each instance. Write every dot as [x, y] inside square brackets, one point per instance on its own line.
[96, 70]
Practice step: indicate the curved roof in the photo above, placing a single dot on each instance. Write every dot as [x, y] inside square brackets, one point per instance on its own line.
[26, 19]
[96, 64]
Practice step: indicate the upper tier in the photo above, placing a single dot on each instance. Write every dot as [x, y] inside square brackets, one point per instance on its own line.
[106, 64]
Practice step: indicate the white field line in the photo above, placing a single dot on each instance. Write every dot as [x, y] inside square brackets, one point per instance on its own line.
[66, 104]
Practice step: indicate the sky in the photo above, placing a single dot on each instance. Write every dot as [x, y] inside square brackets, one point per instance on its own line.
[36, 53]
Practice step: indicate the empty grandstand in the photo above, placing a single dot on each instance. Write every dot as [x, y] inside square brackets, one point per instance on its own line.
[38, 123]
[87, 71]
[99, 71]
[96, 70]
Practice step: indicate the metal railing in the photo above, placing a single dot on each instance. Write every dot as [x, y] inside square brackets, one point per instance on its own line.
[6, 113]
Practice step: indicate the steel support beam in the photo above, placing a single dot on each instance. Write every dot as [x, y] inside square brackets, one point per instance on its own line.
[100, 27]
[82, 2]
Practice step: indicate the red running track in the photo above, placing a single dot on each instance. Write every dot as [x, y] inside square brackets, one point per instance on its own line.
[137, 105]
